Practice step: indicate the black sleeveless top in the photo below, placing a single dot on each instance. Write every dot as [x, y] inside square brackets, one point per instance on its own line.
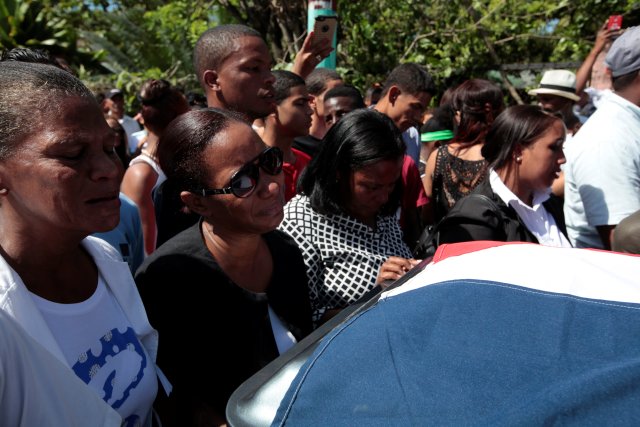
[453, 179]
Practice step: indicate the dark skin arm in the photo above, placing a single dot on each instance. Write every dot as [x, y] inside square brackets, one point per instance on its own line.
[394, 268]
[309, 56]
[329, 314]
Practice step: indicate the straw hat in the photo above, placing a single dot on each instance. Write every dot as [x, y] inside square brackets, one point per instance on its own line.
[559, 83]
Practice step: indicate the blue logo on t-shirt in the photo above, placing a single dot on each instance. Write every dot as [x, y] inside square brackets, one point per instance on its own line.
[116, 370]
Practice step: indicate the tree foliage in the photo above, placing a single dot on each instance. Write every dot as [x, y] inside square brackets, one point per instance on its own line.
[283, 22]
[456, 39]
[36, 25]
[137, 41]
[460, 39]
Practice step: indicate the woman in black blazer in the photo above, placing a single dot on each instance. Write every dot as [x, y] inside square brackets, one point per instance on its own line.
[524, 151]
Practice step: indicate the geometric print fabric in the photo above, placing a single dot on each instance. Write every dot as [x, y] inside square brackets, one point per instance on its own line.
[343, 255]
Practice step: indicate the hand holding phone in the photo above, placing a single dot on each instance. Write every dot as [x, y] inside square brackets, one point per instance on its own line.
[324, 29]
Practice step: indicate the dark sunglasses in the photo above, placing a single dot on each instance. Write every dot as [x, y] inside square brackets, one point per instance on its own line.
[245, 180]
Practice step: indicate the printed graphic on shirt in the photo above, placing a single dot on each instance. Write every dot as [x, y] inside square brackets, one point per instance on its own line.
[116, 370]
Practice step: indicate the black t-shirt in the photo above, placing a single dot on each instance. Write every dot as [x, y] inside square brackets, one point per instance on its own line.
[171, 214]
[308, 144]
[213, 334]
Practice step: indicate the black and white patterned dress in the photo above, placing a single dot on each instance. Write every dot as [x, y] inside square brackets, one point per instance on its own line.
[343, 255]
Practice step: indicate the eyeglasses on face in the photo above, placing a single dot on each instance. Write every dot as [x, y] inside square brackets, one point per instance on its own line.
[245, 180]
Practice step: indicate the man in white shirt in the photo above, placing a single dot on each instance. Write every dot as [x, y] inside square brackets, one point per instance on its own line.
[603, 162]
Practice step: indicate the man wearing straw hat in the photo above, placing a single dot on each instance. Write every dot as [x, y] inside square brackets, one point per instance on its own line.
[557, 94]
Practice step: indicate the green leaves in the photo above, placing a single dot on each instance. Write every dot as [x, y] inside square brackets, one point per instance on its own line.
[139, 41]
[455, 45]
[42, 25]
[123, 42]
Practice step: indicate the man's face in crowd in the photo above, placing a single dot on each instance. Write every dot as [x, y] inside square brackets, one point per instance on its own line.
[244, 81]
[553, 103]
[294, 112]
[335, 108]
[114, 106]
[407, 109]
[318, 102]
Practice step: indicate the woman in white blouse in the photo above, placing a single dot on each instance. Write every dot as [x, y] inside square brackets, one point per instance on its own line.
[524, 151]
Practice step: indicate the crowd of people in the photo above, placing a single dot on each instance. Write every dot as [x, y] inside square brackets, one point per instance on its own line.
[251, 221]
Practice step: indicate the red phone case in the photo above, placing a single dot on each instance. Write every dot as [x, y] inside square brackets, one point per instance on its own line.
[615, 22]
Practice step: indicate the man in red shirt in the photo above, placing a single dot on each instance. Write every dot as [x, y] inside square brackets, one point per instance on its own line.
[291, 119]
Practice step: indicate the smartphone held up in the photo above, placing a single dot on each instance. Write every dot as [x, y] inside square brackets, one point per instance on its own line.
[615, 22]
[324, 29]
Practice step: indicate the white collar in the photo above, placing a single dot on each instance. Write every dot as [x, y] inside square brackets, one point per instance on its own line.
[507, 196]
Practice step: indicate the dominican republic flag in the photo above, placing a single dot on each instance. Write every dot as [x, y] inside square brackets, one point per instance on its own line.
[509, 335]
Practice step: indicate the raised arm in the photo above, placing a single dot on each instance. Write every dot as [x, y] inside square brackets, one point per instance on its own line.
[309, 56]
[428, 210]
[603, 37]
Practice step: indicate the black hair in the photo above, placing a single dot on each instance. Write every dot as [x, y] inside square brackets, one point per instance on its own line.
[346, 91]
[372, 95]
[441, 119]
[285, 81]
[317, 80]
[361, 138]
[447, 97]
[479, 102]
[216, 44]
[196, 100]
[520, 125]
[29, 91]
[624, 81]
[161, 103]
[411, 78]
[36, 56]
[181, 146]
[20, 54]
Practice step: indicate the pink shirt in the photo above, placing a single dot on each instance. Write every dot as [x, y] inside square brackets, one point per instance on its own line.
[413, 194]
[292, 173]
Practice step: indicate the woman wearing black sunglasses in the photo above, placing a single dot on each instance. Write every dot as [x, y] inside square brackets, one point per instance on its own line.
[229, 294]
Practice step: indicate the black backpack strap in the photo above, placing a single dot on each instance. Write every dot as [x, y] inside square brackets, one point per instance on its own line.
[426, 246]
[474, 209]
[436, 185]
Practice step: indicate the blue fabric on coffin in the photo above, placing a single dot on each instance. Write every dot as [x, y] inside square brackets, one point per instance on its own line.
[475, 352]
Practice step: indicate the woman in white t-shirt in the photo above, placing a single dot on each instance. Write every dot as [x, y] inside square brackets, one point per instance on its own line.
[73, 294]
